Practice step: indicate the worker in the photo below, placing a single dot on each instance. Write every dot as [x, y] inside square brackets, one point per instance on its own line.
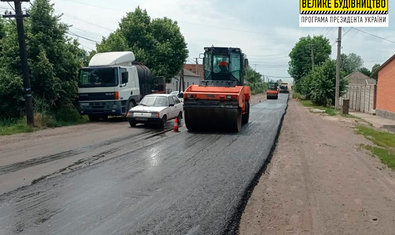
[223, 65]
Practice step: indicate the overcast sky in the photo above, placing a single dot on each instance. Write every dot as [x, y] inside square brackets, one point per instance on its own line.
[265, 30]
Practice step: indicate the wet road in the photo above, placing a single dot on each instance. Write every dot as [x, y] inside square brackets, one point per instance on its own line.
[184, 183]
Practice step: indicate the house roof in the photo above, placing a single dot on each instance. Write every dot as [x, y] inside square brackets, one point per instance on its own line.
[358, 78]
[195, 68]
[386, 63]
[190, 73]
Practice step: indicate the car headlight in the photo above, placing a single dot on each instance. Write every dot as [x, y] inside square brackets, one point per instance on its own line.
[155, 115]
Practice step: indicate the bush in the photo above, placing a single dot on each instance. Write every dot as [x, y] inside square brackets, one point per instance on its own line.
[319, 84]
[296, 95]
[67, 114]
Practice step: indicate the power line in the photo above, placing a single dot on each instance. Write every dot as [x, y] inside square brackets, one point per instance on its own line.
[276, 76]
[87, 22]
[373, 35]
[11, 6]
[79, 36]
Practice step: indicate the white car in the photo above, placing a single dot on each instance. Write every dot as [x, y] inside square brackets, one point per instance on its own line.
[157, 109]
[180, 95]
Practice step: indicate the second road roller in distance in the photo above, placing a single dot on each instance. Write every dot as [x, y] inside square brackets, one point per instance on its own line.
[221, 99]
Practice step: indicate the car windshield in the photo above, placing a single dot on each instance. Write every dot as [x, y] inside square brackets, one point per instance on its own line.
[155, 101]
[98, 77]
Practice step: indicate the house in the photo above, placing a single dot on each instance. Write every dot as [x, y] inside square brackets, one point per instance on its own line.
[190, 78]
[196, 69]
[386, 89]
[361, 91]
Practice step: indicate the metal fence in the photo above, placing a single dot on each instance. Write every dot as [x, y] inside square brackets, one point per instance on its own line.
[362, 98]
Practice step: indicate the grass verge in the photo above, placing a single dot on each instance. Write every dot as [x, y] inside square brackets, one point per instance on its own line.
[12, 126]
[385, 144]
[328, 110]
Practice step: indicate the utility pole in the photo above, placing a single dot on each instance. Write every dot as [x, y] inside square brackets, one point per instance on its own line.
[182, 85]
[338, 62]
[197, 63]
[23, 54]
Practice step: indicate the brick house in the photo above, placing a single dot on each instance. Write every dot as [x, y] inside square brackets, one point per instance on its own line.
[196, 69]
[386, 89]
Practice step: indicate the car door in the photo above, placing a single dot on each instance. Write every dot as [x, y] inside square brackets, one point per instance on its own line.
[177, 105]
[172, 108]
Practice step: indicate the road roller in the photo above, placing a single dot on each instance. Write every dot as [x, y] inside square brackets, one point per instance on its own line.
[221, 100]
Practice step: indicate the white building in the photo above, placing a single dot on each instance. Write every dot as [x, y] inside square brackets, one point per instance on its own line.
[190, 78]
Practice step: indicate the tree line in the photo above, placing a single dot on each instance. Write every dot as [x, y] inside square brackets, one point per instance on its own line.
[54, 58]
[314, 72]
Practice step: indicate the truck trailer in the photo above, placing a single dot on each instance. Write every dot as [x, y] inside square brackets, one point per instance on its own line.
[112, 84]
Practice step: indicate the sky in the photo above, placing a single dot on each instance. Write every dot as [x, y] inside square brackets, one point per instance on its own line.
[265, 30]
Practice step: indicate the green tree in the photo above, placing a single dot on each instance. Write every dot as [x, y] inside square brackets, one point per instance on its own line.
[321, 83]
[53, 58]
[350, 63]
[375, 68]
[2, 32]
[157, 43]
[254, 80]
[306, 50]
[365, 71]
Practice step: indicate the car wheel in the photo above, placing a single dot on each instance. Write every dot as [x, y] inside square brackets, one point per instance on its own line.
[163, 122]
[132, 123]
[179, 117]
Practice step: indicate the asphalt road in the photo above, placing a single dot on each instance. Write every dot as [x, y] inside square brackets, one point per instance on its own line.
[178, 183]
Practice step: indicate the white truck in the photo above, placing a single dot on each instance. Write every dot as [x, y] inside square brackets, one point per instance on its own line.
[112, 84]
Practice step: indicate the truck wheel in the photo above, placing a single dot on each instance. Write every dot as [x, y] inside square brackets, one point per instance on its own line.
[246, 116]
[93, 118]
[131, 104]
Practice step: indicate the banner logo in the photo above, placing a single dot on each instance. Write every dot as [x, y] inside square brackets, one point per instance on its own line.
[343, 13]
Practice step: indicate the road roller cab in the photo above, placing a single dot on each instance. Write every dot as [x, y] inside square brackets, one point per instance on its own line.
[221, 99]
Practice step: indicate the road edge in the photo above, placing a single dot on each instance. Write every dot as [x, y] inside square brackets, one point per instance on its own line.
[234, 224]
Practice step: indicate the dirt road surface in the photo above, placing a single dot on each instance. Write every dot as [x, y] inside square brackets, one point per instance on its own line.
[320, 182]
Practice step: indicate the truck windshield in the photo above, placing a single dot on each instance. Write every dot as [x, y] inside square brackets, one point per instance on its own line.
[223, 67]
[273, 86]
[155, 101]
[98, 77]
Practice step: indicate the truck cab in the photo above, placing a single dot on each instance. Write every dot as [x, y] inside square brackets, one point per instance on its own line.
[112, 84]
[284, 87]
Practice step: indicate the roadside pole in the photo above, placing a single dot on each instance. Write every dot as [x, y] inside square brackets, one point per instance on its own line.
[338, 62]
[23, 54]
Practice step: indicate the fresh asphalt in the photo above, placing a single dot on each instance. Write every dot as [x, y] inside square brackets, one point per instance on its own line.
[186, 183]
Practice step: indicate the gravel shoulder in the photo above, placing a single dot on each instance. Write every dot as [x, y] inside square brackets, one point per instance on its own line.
[320, 181]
